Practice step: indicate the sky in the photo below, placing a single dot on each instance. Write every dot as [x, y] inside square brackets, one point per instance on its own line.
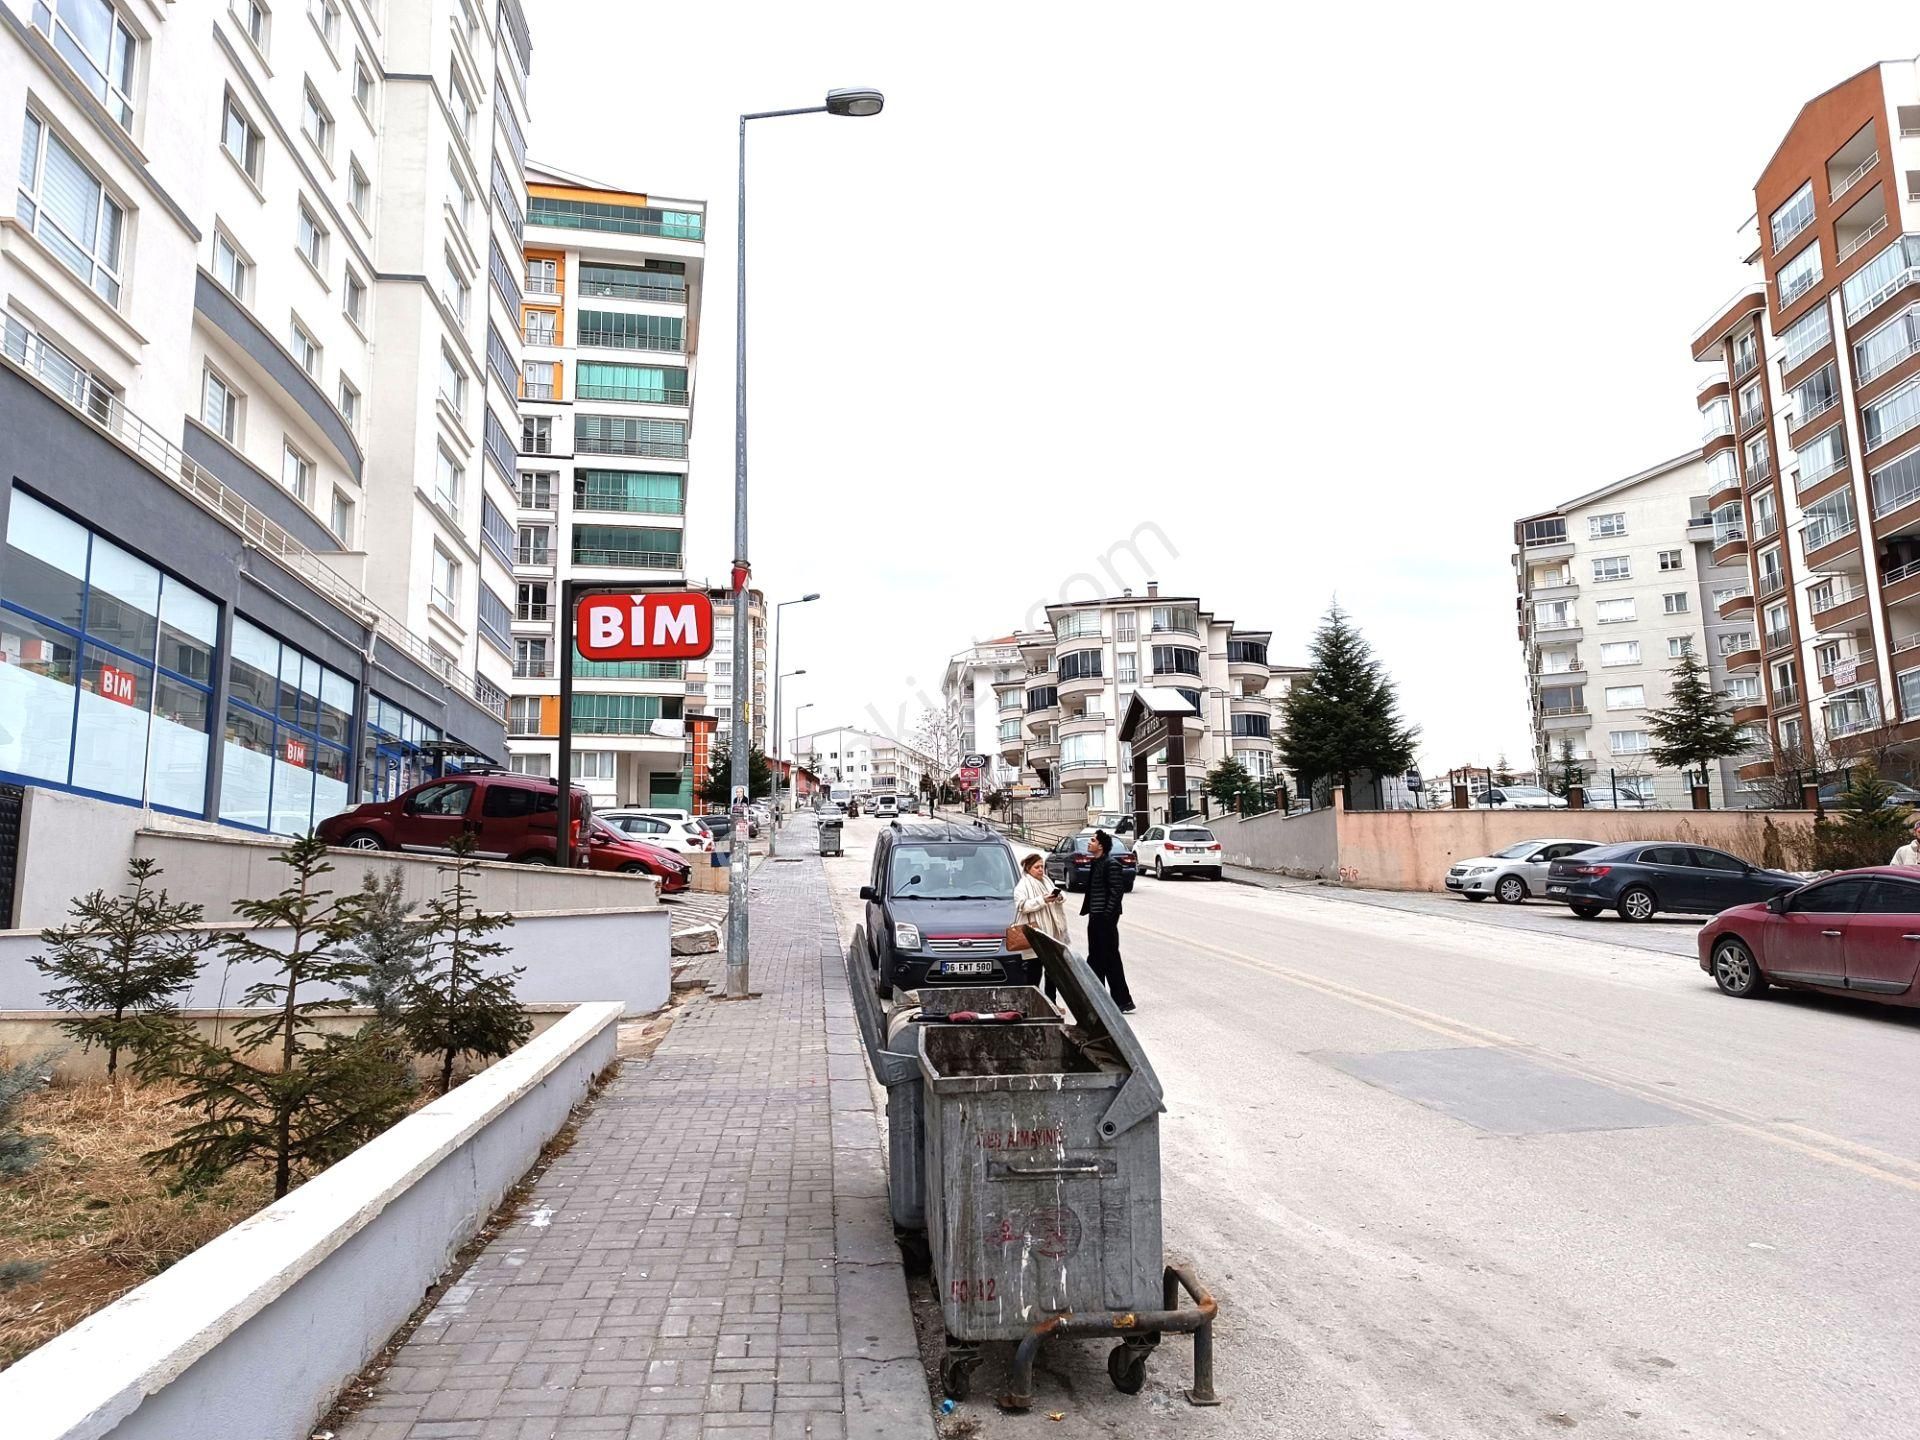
[1290, 304]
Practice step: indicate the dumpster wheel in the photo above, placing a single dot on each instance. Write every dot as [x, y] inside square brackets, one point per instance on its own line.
[1127, 1364]
[956, 1368]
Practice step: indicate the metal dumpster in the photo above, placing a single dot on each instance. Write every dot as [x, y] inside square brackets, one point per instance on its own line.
[830, 835]
[1043, 1190]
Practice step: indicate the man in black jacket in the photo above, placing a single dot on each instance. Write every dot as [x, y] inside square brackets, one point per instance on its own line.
[1106, 888]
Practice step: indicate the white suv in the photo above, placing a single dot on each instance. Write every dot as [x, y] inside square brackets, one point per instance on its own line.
[1171, 849]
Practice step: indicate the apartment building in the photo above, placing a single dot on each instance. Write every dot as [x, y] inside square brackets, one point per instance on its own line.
[1811, 415]
[253, 456]
[722, 670]
[1614, 587]
[1061, 712]
[862, 760]
[980, 691]
[607, 309]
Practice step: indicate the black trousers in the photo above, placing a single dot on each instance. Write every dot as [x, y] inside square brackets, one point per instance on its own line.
[1103, 956]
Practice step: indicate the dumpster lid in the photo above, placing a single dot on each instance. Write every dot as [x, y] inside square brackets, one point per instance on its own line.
[1099, 1018]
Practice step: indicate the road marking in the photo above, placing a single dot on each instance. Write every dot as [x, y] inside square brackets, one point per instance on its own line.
[1831, 1149]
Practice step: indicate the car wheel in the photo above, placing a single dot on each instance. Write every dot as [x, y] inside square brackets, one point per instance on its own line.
[1735, 970]
[635, 869]
[1636, 903]
[534, 857]
[1159, 868]
[362, 840]
[1587, 912]
[1511, 890]
[1472, 895]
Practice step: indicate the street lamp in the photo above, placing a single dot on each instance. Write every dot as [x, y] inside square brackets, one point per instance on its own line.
[773, 842]
[855, 101]
[793, 772]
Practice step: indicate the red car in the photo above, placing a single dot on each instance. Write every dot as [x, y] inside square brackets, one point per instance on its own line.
[1854, 933]
[611, 849]
[510, 817]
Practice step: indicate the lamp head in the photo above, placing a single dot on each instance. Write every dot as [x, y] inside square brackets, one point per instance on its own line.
[857, 100]
[814, 596]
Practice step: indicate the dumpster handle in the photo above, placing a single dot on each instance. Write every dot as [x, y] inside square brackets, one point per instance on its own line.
[1037, 1172]
[1137, 1327]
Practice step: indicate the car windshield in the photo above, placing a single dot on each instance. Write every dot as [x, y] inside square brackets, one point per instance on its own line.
[1516, 852]
[949, 870]
[1531, 792]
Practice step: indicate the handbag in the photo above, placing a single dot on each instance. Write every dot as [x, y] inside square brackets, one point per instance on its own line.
[1016, 938]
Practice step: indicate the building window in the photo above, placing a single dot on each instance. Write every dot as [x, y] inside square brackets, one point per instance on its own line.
[539, 327]
[453, 380]
[1793, 217]
[255, 19]
[1626, 697]
[458, 195]
[354, 305]
[543, 276]
[296, 473]
[92, 38]
[536, 435]
[340, 521]
[1799, 275]
[349, 403]
[289, 723]
[1613, 612]
[461, 104]
[1674, 602]
[1125, 668]
[531, 602]
[446, 581]
[311, 240]
[68, 208]
[541, 764]
[1126, 625]
[634, 384]
[1678, 645]
[495, 619]
[231, 268]
[1669, 559]
[534, 545]
[1628, 742]
[1620, 652]
[1613, 567]
[447, 478]
[316, 123]
[536, 381]
[306, 350]
[359, 188]
[496, 531]
[326, 17]
[1606, 527]
[240, 138]
[536, 490]
[363, 85]
[220, 408]
[594, 764]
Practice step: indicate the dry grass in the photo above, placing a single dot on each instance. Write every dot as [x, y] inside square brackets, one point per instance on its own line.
[94, 1216]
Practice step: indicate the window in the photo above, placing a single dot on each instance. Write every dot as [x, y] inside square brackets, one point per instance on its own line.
[220, 409]
[459, 197]
[494, 618]
[296, 472]
[446, 581]
[543, 276]
[1125, 625]
[231, 268]
[1800, 340]
[1793, 217]
[530, 601]
[534, 546]
[447, 478]
[1124, 668]
[240, 138]
[340, 520]
[618, 331]
[92, 38]
[1674, 602]
[359, 188]
[1789, 734]
[453, 380]
[594, 764]
[496, 530]
[1799, 275]
[1678, 645]
[630, 491]
[326, 17]
[1670, 560]
[536, 381]
[1626, 697]
[536, 489]
[639, 384]
[618, 435]
[1887, 346]
[306, 350]
[536, 434]
[1563, 699]
[1892, 415]
[354, 303]
[523, 715]
[539, 327]
[311, 239]
[1628, 742]
[362, 83]
[607, 218]
[316, 123]
[1620, 652]
[1612, 567]
[255, 19]
[349, 403]
[1174, 660]
[1605, 527]
[460, 103]
[1613, 612]
[1080, 665]
[66, 206]
[453, 286]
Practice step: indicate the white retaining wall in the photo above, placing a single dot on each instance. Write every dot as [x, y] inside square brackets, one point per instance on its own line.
[252, 1336]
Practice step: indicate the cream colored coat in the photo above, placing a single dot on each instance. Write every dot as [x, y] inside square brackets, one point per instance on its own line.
[1038, 903]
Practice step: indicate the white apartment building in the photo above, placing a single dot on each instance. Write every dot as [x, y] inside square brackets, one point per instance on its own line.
[244, 243]
[1614, 586]
[862, 760]
[722, 670]
[1060, 713]
[976, 689]
[609, 320]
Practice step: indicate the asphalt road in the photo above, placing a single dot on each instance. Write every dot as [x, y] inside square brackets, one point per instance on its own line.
[1452, 1175]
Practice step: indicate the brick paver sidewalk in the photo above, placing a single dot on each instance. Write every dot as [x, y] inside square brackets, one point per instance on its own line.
[712, 1257]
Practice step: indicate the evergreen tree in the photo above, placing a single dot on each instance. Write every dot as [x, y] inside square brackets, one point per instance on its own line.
[453, 1007]
[717, 788]
[1694, 730]
[1871, 825]
[1570, 772]
[390, 943]
[327, 1094]
[1229, 783]
[1342, 716]
[126, 960]
[18, 1151]
[1502, 772]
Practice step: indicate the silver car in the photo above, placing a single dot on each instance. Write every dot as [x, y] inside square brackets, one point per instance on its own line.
[1512, 874]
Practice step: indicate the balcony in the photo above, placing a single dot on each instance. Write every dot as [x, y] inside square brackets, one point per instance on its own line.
[1558, 631]
[1745, 363]
[632, 290]
[1847, 671]
[1861, 239]
[1901, 583]
[631, 394]
[1726, 318]
[1041, 751]
[1765, 528]
[1733, 601]
[1743, 654]
[533, 615]
[1083, 685]
[542, 285]
[1857, 169]
[1083, 724]
[1725, 492]
[1779, 639]
[1729, 543]
[533, 557]
[525, 669]
[626, 559]
[1786, 697]
[1752, 418]
[537, 390]
[1559, 720]
[1806, 479]
[1838, 606]
[1800, 285]
[1831, 546]
[1080, 774]
[1748, 710]
[1758, 473]
[1719, 424]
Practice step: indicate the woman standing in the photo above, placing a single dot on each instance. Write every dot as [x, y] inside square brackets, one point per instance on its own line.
[1037, 905]
[1106, 885]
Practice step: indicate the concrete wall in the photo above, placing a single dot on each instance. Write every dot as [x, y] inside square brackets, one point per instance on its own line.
[1286, 844]
[570, 957]
[307, 1290]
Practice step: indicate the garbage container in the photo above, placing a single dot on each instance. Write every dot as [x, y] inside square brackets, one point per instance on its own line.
[830, 835]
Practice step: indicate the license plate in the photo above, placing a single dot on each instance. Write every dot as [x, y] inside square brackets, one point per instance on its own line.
[1452, 884]
[966, 967]
[1556, 889]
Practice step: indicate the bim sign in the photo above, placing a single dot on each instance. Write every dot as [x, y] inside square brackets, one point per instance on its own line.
[659, 625]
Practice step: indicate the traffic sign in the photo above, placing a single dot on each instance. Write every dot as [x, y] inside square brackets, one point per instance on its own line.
[653, 625]
[973, 762]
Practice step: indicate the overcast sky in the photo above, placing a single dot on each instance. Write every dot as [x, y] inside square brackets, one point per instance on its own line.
[1327, 295]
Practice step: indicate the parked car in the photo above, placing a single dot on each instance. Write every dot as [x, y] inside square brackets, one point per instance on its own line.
[1179, 849]
[509, 817]
[910, 805]
[1513, 874]
[938, 904]
[611, 849]
[682, 837]
[1114, 822]
[886, 807]
[1854, 933]
[1898, 794]
[1640, 879]
[1521, 797]
[1067, 862]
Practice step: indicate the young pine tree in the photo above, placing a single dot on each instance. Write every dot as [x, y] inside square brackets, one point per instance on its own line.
[390, 943]
[1228, 783]
[124, 962]
[1693, 730]
[452, 1006]
[1871, 826]
[1570, 772]
[327, 1094]
[1342, 716]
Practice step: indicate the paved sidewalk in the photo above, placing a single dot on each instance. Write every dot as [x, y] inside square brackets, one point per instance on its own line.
[712, 1257]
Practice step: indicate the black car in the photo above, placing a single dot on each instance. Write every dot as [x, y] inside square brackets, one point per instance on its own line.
[1067, 862]
[938, 907]
[1642, 878]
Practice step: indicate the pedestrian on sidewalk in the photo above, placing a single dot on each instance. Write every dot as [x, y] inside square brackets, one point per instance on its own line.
[1106, 884]
[1909, 853]
[1038, 904]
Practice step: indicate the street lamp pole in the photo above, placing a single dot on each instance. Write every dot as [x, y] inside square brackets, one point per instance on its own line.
[793, 774]
[773, 832]
[854, 102]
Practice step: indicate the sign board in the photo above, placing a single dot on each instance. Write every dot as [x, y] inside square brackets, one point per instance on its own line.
[1022, 792]
[1844, 672]
[655, 625]
[973, 762]
[296, 752]
[117, 684]
[969, 772]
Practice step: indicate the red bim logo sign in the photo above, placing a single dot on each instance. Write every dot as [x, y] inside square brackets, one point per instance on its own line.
[660, 625]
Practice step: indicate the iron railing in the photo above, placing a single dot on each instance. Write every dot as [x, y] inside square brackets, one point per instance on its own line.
[628, 559]
[1852, 247]
[1854, 176]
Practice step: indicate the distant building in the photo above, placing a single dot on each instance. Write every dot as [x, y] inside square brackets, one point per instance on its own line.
[973, 691]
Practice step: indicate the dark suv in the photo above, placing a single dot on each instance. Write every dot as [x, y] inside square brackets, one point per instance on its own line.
[510, 817]
[938, 909]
